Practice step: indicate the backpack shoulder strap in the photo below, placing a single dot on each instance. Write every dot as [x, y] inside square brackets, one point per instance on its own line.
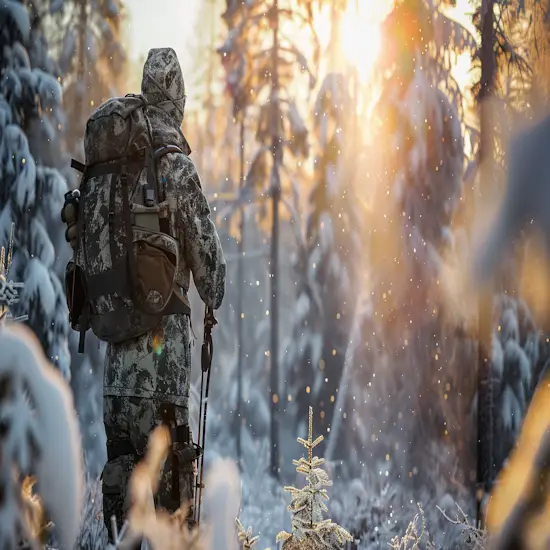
[78, 166]
[161, 151]
[152, 189]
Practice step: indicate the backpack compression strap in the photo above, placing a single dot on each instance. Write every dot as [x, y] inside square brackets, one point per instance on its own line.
[131, 162]
[78, 166]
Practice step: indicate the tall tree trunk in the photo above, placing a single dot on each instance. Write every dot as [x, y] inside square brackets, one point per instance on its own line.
[240, 290]
[205, 134]
[356, 91]
[276, 197]
[81, 70]
[485, 428]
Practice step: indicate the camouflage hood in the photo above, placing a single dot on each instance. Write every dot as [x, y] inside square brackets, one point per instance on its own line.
[163, 86]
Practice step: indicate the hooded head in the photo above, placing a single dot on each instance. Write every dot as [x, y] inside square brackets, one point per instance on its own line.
[162, 83]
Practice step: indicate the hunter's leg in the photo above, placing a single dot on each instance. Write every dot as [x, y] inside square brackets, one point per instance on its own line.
[177, 487]
[120, 460]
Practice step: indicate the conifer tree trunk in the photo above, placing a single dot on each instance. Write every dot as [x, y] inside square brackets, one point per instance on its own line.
[356, 91]
[209, 100]
[82, 62]
[276, 196]
[240, 290]
[485, 430]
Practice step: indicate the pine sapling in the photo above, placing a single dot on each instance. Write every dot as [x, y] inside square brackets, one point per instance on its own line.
[307, 506]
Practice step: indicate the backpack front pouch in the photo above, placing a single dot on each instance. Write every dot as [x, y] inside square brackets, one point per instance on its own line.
[157, 261]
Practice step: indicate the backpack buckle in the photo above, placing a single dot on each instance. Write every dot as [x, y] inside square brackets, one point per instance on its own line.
[148, 196]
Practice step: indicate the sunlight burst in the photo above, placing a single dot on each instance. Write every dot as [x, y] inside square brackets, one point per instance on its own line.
[359, 33]
[360, 43]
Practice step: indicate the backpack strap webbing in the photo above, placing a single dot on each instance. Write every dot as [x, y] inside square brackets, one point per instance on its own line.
[127, 215]
[78, 166]
[116, 168]
[132, 162]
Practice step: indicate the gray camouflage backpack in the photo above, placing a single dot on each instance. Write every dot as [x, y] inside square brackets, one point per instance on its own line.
[122, 279]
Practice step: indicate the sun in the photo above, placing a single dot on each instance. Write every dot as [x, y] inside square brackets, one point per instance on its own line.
[360, 38]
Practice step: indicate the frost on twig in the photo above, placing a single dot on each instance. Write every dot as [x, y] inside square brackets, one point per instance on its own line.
[415, 533]
[245, 535]
[39, 436]
[474, 537]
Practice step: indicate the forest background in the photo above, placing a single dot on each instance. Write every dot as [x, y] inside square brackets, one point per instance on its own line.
[345, 136]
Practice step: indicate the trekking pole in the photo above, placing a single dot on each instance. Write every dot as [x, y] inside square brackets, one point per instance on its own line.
[206, 363]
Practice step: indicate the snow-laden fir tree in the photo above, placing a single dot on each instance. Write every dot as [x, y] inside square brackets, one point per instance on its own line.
[519, 354]
[307, 508]
[327, 263]
[39, 438]
[87, 39]
[31, 194]
[399, 347]
[9, 290]
[203, 87]
[411, 356]
[410, 201]
[268, 68]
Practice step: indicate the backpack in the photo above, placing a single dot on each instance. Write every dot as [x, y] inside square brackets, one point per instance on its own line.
[122, 280]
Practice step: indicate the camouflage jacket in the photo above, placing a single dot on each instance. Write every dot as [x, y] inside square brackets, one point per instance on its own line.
[158, 364]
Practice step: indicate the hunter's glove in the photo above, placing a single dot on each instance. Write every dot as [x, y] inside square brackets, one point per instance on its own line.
[69, 216]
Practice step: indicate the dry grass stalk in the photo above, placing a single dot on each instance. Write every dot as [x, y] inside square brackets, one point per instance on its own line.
[163, 531]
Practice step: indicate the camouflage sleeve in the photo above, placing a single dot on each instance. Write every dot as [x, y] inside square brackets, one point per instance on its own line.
[201, 245]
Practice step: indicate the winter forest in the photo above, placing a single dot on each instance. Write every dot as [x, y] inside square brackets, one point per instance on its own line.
[374, 169]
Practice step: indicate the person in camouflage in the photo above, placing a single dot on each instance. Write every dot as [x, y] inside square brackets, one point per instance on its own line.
[148, 378]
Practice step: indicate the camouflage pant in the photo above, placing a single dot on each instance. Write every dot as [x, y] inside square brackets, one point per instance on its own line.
[128, 423]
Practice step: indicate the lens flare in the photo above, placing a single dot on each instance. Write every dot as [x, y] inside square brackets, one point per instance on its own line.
[158, 342]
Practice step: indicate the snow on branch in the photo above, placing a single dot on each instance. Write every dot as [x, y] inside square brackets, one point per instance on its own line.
[415, 533]
[39, 437]
[245, 535]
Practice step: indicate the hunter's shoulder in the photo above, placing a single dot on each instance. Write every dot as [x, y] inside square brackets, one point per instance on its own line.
[180, 167]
